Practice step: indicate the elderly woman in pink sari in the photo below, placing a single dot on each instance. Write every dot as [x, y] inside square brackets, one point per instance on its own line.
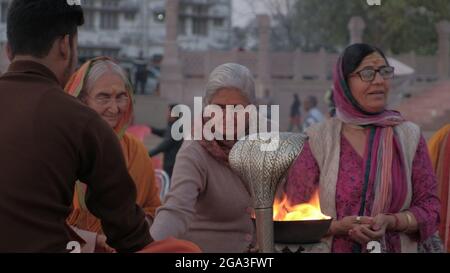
[370, 166]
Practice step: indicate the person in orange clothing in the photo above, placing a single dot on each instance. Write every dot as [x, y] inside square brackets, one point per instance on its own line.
[171, 245]
[102, 85]
[439, 147]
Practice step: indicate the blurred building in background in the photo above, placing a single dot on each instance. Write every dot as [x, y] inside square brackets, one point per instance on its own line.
[125, 28]
[3, 11]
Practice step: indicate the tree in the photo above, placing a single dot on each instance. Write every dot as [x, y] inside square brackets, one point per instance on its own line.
[398, 25]
[283, 34]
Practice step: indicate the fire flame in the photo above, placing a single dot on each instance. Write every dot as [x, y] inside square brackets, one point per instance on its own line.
[284, 211]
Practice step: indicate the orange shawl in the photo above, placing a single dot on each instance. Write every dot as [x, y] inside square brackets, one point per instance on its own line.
[136, 156]
[439, 147]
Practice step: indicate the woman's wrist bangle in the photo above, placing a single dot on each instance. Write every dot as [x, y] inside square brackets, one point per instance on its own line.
[408, 220]
[395, 227]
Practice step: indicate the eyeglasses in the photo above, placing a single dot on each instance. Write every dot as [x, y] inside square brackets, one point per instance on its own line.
[368, 74]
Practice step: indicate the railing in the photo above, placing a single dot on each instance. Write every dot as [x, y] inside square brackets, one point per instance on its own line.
[163, 181]
[298, 66]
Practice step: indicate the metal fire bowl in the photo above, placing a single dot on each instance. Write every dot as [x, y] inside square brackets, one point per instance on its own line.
[300, 232]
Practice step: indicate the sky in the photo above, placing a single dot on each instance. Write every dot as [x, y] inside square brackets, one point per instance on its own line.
[244, 11]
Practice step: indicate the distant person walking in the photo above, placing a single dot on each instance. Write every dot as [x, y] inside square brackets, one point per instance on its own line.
[313, 114]
[295, 116]
[141, 74]
[169, 146]
[329, 100]
[267, 100]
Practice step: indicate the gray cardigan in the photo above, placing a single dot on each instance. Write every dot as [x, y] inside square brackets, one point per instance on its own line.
[208, 204]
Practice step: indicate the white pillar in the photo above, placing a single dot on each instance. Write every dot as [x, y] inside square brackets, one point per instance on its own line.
[171, 69]
[356, 28]
[443, 29]
[264, 73]
[298, 75]
[323, 64]
[4, 62]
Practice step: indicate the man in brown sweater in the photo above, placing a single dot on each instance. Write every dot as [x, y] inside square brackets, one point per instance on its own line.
[48, 140]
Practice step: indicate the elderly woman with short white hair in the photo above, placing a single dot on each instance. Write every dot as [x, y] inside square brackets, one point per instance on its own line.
[208, 203]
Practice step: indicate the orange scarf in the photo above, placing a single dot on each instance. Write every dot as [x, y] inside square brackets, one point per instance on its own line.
[439, 147]
[140, 167]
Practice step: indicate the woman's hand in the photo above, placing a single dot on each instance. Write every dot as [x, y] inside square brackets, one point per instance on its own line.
[101, 246]
[252, 249]
[343, 226]
[374, 231]
[360, 234]
[382, 223]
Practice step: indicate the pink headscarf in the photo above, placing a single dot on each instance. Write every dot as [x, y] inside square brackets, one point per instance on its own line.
[348, 112]
[383, 155]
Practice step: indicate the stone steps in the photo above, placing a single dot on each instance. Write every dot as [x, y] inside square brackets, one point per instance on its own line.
[429, 109]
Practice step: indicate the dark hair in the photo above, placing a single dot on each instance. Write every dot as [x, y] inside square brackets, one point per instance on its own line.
[354, 54]
[351, 58]
[34, 25]
[312, 100]
[172, 105]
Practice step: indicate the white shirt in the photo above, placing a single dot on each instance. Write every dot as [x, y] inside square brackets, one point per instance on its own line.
[314, 116]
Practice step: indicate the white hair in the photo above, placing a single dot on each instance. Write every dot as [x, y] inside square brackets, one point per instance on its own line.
[99, 69]
[230, 75]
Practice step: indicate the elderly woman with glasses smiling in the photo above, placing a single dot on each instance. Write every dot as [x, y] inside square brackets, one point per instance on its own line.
[370, 166]
[102, 85]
